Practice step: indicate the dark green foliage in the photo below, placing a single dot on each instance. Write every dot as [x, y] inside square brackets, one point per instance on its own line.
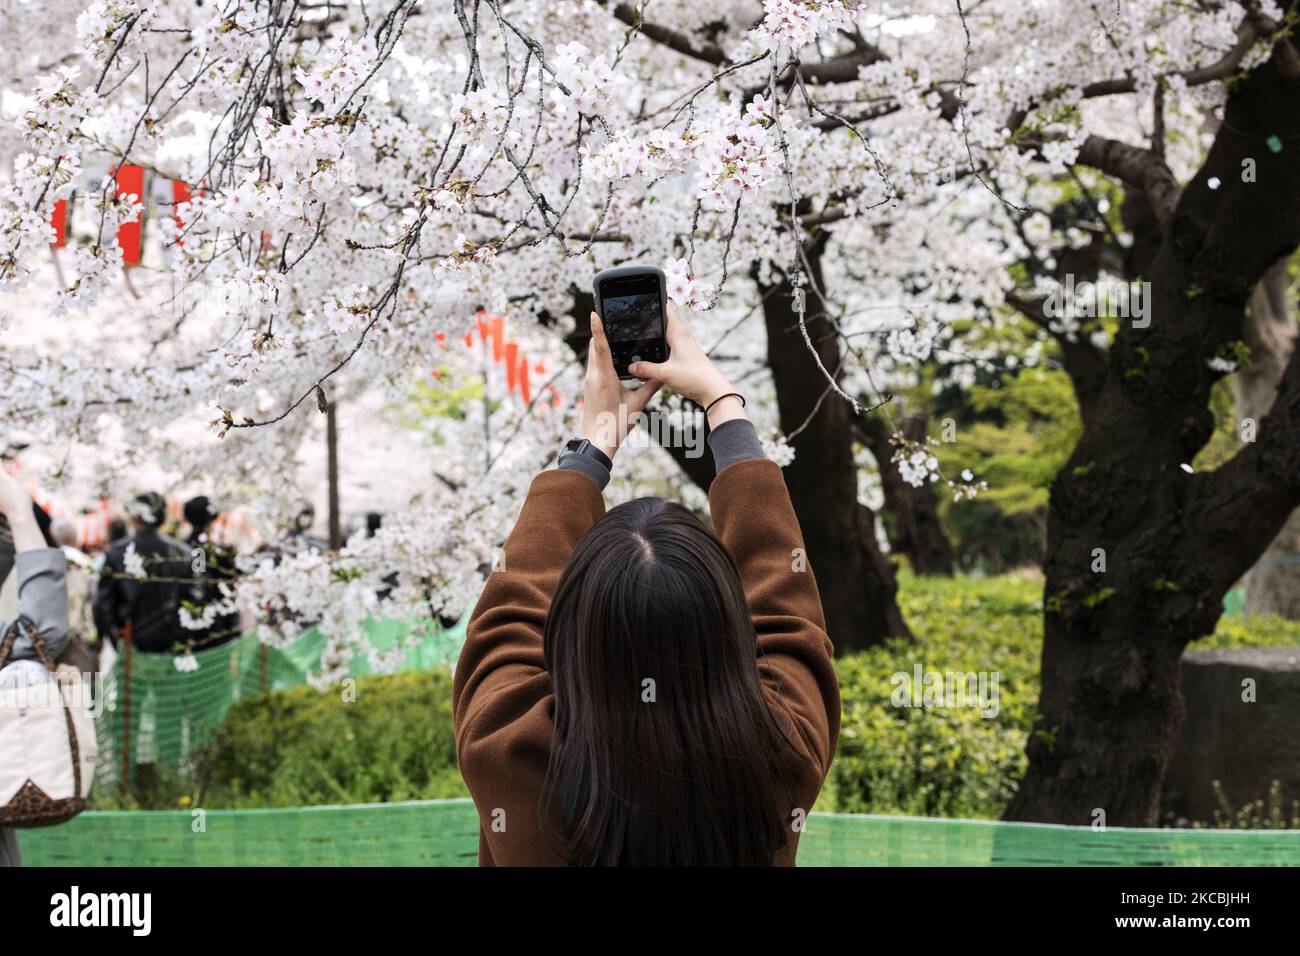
[303, 747]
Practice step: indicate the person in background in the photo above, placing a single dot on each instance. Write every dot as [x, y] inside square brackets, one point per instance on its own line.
[375, 521]
[218, 566]
[299, 539]
[142, 580]
[80, 618]
[117, 530]
[40, 572]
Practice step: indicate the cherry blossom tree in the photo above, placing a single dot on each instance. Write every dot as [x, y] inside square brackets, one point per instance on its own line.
[841, 191]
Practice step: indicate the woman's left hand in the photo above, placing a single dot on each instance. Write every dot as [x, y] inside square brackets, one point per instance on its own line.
[16, 506]
[608, 407]
[14, 499]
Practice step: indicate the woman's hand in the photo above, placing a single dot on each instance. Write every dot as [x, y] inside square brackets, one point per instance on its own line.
[690, 372]
[13, 496]
[607, 406]
[16, 506]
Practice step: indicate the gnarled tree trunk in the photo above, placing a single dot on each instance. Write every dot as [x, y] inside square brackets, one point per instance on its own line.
[1173, 542]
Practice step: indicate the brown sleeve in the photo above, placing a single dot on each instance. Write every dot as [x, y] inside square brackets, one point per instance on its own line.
[500, 674]
[754, 518]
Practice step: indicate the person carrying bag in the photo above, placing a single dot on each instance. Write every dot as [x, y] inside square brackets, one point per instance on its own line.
[47, 740]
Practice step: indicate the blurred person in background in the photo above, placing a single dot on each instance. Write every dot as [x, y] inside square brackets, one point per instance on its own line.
[117, 530]
[299, 539]
[142, 581]
[81, 621]
[211, 565]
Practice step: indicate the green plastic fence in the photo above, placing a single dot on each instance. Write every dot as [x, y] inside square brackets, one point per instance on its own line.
[160, 715]
[445, 833]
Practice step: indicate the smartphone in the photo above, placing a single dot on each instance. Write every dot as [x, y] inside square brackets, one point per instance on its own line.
[632, 302]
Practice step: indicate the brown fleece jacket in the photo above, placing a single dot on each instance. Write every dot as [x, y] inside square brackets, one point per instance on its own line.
[502, 693]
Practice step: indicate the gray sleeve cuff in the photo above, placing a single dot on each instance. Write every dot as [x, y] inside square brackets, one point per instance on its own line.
[734, 441]
[589, 467]
[42, 599]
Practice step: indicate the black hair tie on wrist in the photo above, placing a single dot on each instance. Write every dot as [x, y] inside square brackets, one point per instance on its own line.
[721, 397]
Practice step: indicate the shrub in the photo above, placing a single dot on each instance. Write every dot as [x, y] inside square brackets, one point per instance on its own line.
[1271, 813]
[947, 761]
[302, 747]
[952, 761]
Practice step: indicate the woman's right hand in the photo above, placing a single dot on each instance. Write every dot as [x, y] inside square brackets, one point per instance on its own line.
[690, 372]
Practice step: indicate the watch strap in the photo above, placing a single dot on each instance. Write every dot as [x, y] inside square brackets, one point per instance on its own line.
[581, 446]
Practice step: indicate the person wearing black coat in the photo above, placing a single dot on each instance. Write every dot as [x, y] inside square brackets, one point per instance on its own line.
[218, 566]
[143, 581]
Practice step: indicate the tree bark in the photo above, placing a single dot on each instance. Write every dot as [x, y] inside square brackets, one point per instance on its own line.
[912, 514]
[1173, 542]
[1273, 584]
[857, 582]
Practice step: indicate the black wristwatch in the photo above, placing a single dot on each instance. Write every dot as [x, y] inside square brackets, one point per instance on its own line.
[581, 446]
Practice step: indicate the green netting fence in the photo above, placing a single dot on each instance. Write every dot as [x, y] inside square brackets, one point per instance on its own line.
[445, 833]
[157, 712]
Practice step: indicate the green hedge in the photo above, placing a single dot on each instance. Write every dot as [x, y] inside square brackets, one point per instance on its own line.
[303, 747]
[953, 762]
[941, 762]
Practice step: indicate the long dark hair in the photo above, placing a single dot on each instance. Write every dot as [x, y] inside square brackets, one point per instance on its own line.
[664, 751]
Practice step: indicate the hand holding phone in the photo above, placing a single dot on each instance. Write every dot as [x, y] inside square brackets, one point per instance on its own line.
[633, 305]
[608, 408]
[690, 372]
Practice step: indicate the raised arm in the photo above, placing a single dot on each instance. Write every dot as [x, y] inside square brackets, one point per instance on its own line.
[753, 516]
[501, 672]
[42, 576]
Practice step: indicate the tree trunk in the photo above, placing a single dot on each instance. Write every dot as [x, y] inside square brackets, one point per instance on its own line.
[1272, 585]
[332, 468]
[857, 583]
[912, 514]
[1172, 541]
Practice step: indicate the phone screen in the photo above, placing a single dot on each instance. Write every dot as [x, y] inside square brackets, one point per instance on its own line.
[634, 320]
